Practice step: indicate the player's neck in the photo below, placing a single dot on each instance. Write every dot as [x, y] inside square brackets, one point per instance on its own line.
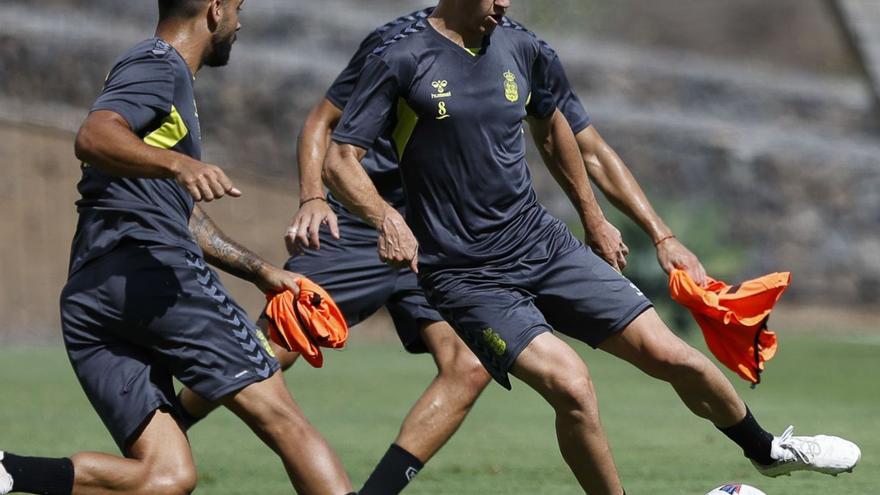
[187, 40]
[458, 30]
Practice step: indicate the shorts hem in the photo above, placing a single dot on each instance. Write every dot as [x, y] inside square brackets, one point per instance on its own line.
[232, 388]
[624, 322]
[132, 428]
[531, 334]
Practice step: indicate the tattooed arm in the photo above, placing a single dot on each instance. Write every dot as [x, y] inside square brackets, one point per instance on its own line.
[235, 259]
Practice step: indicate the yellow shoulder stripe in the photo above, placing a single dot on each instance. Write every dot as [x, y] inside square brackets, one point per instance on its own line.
[171, 132]
[406, 124]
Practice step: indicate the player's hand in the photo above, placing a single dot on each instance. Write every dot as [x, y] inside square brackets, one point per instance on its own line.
[397, 245]
[673, 254]
[607, 243]
[204, 182]
[305, 227]
[273, 280]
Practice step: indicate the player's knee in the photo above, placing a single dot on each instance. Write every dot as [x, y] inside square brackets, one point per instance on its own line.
[573, 395]
[468, 371]
[476, 376]
[674, 363]
[172, 480]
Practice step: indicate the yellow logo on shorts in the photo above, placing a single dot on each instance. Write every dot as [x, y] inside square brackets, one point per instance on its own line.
[265, 343]
[496, 343]
[511, 90]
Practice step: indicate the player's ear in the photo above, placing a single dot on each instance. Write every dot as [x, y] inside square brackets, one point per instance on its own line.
[215, 14]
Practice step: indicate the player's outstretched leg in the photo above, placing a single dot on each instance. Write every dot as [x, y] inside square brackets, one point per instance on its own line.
[436, 416]
[195, 408]
[271, 413]
[159, 461]
[653, 348]
[554, 370]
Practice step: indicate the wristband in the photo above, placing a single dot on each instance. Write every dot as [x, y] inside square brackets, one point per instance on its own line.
[322, 198]
[661, 241]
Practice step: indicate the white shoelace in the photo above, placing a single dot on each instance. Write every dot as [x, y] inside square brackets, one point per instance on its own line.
[799, 449]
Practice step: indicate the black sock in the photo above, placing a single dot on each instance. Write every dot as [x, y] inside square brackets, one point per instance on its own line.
[39, 475]
[754, 440]
[396, 469]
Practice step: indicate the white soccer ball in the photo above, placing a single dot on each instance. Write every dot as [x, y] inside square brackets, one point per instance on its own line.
[736, 489]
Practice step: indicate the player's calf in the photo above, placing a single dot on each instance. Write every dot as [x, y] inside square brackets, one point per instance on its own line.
[268, 408]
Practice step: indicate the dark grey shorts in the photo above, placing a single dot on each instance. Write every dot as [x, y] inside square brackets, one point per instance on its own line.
[140, 315]
[349, 270]
[556, 284]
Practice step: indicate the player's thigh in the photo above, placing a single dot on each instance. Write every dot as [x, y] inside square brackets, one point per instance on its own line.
[164, 449]
[414, 318]
[649, 344]
[351, 272]
[496, 322]
[583, 297]
[555, 370]
[265, 405]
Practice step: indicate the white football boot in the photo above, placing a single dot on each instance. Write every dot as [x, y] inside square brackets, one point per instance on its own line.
[5, 478]
[821, 453]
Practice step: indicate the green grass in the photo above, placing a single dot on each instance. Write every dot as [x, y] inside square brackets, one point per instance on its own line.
[821, 384]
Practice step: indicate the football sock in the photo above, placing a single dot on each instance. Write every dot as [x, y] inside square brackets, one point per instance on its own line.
[754, 440]
[396, 469]
[39, 475]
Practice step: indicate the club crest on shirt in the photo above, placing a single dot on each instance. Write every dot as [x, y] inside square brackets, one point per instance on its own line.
[440, 87]
[511, 90]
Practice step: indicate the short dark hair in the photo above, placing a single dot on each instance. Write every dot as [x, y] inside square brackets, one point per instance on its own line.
[180, 8]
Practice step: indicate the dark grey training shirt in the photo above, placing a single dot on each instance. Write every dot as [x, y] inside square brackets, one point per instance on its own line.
[458, 133]
[151, 87]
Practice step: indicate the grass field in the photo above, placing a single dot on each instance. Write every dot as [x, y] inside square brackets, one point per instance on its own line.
[820, 384]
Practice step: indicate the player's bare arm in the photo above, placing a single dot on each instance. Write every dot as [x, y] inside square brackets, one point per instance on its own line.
[105, 141]
[235, 259]
[348, 181]
[313, 208]
[559, 150]
[610, 173]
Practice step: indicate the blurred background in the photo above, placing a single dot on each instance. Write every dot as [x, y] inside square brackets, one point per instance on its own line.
[752, 125]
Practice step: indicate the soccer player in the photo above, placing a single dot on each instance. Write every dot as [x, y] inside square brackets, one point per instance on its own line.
[348, 267]
[361, 283]
[456, 89]
[140, 304]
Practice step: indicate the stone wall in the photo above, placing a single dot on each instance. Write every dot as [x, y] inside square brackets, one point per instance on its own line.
[777, 133]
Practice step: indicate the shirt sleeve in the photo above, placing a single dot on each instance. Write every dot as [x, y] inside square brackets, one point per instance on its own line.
[369, 109]
[541, 103]
[566, 101]
[141, 91]
[342, 88]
